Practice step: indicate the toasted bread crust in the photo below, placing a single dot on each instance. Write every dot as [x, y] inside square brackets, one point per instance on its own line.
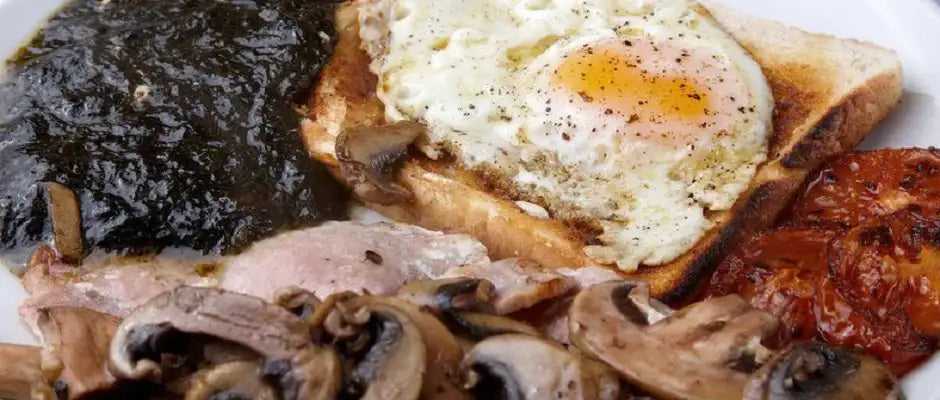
[814, 118]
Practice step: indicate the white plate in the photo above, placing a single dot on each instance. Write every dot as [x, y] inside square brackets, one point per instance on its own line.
[911, 27]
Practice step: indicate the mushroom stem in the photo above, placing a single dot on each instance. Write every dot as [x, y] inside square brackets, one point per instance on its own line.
[302, 303]
[21, 374]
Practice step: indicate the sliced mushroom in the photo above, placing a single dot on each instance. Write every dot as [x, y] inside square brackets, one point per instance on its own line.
[163, 322]
[704, 351]
[237, 380]
[66, 220]
[451, 298]
[527, 367]
[552, 322]
[21, 375]
[369, 157]
[388, 350]
[80, 338]
[517, 283]
[187, 328]
[481, 326]
[301, 302]
[448, 294]
[315, 373]
[818, 371]
[442, 352]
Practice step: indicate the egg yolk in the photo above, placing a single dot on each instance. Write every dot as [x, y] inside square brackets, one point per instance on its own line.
[664, 93]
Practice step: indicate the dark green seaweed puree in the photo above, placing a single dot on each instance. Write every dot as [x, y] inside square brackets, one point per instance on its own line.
[173, 121]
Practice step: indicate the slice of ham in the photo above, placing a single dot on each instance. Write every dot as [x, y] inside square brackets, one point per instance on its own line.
[586, 277]
[108, 287]
[333, 257]
[80, 339]
[345, 256]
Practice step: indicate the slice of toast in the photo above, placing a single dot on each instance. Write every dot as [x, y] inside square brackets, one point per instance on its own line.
[829, 93]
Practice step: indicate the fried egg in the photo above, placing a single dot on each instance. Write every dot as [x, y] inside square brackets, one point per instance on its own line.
[636, 117]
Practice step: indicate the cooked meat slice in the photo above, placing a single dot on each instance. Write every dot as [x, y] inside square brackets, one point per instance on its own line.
[348, 256]
[586, 277]
[334, 257]
[517, 283]
[109, 288]
[80, 338]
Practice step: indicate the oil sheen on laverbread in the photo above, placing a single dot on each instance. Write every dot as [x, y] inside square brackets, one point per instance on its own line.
[636, 116]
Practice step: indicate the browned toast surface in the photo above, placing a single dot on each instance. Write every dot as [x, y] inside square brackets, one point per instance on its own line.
[829, 93]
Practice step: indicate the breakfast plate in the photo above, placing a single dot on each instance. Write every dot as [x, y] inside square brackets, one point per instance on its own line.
[909, 27]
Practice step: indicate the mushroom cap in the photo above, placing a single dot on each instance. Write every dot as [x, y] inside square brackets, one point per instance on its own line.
[699, 352]
[271, 331]
[369, 157]
[518, 366]
[441, 365]
[810, 371]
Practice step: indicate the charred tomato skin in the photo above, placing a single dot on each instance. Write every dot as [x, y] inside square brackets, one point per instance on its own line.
[855, 261]
[794, 273]
[858, 186]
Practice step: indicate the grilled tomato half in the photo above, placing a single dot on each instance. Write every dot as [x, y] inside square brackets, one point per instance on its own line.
[857, 261]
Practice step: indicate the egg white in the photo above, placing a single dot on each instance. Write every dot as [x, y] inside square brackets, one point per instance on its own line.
[476, 73]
